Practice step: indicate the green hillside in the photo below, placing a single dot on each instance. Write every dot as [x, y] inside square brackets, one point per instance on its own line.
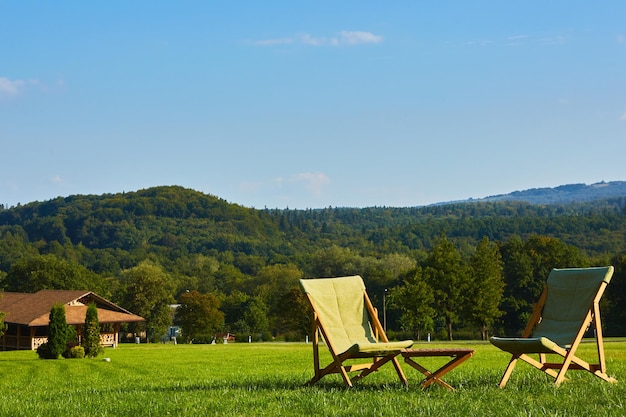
[245, 256]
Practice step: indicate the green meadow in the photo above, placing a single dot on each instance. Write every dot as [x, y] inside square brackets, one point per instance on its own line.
[267, 379]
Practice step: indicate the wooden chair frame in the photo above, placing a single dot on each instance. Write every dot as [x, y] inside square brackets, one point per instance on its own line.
[570, 360]
[337, 365]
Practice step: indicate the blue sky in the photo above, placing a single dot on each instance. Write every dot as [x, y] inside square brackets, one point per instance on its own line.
[310, 104]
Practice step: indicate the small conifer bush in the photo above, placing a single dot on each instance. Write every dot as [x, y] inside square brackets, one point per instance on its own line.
[75, 352]
[57, 334]
[91, 332]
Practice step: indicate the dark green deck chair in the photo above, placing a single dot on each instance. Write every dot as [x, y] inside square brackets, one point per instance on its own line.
[567, 307]
[346, 319]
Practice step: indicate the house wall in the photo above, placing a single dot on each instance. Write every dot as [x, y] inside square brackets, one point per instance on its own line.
[19, 337]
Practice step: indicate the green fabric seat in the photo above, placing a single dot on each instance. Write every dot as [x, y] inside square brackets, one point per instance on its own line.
[347, 321]
[340, 304]
[524, 345]
[568, 306]
[570, 294]
[380, 348]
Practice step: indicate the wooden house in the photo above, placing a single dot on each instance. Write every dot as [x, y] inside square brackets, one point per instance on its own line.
[26, 316]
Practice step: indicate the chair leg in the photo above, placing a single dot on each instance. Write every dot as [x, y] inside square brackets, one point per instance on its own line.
[374, 367]
[564, 367]
[508, 371]
[345, 376]
[401, 375]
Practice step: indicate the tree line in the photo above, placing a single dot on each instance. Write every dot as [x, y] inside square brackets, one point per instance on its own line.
[460, 270]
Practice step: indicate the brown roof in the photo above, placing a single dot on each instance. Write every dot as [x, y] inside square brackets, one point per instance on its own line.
[34, 309]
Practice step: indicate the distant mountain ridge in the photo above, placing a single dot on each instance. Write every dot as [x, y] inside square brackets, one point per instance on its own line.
[564, 194]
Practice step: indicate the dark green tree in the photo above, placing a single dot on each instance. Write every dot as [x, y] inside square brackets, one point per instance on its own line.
[147, 291]
[57, 330]
[272, 285]
[487, 285]
[2, 325]
[47, 272]
[414, 298]
[526, 269]
[520, 290]
[199, 315]
[246, 315]
[57, 334]
[91, 332]
[233, 306]
[613, 307]
[447, 275]
[292, 314]
[255, 316]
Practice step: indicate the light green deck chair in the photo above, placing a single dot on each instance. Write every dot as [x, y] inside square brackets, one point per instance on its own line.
[344, 315]
[567, 307]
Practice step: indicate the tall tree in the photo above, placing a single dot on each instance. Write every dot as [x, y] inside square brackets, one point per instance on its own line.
[292, 314]
[245, 314]
[91, 332]
[526, 268]
[487, 285]
[255, 316]
[414, 298]
[199, 315]
[3, 326]
[47, 272]
[272, 284]
[520, 291]
[447, 275]
[57, 331]
[147, 291]
[614, 304]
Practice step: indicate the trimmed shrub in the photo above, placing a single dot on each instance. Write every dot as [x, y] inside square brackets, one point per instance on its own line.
[43, 351]
[91, 332]
[57, 332]
[75, 352]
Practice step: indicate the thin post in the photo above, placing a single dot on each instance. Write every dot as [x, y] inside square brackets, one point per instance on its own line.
[385, 310]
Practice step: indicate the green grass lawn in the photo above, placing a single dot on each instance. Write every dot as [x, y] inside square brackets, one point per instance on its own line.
[267, 379]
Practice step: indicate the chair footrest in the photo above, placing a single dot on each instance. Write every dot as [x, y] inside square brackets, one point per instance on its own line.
[458, 357]
[408, 353]
[573, 366]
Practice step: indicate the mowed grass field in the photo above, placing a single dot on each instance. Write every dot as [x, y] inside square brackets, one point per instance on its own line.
[267, 379]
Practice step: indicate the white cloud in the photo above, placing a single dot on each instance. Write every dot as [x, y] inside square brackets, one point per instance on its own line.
[310, 40]
[16, 87]
[345, 38]
[356, 38]
[314, 182]
[57, 180]
[555, 40]
[621, 39]
[11, 87]
[623, 117]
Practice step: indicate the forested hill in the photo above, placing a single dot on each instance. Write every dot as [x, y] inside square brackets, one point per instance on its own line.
[173, 221]
[193, 243]
[565, 194]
